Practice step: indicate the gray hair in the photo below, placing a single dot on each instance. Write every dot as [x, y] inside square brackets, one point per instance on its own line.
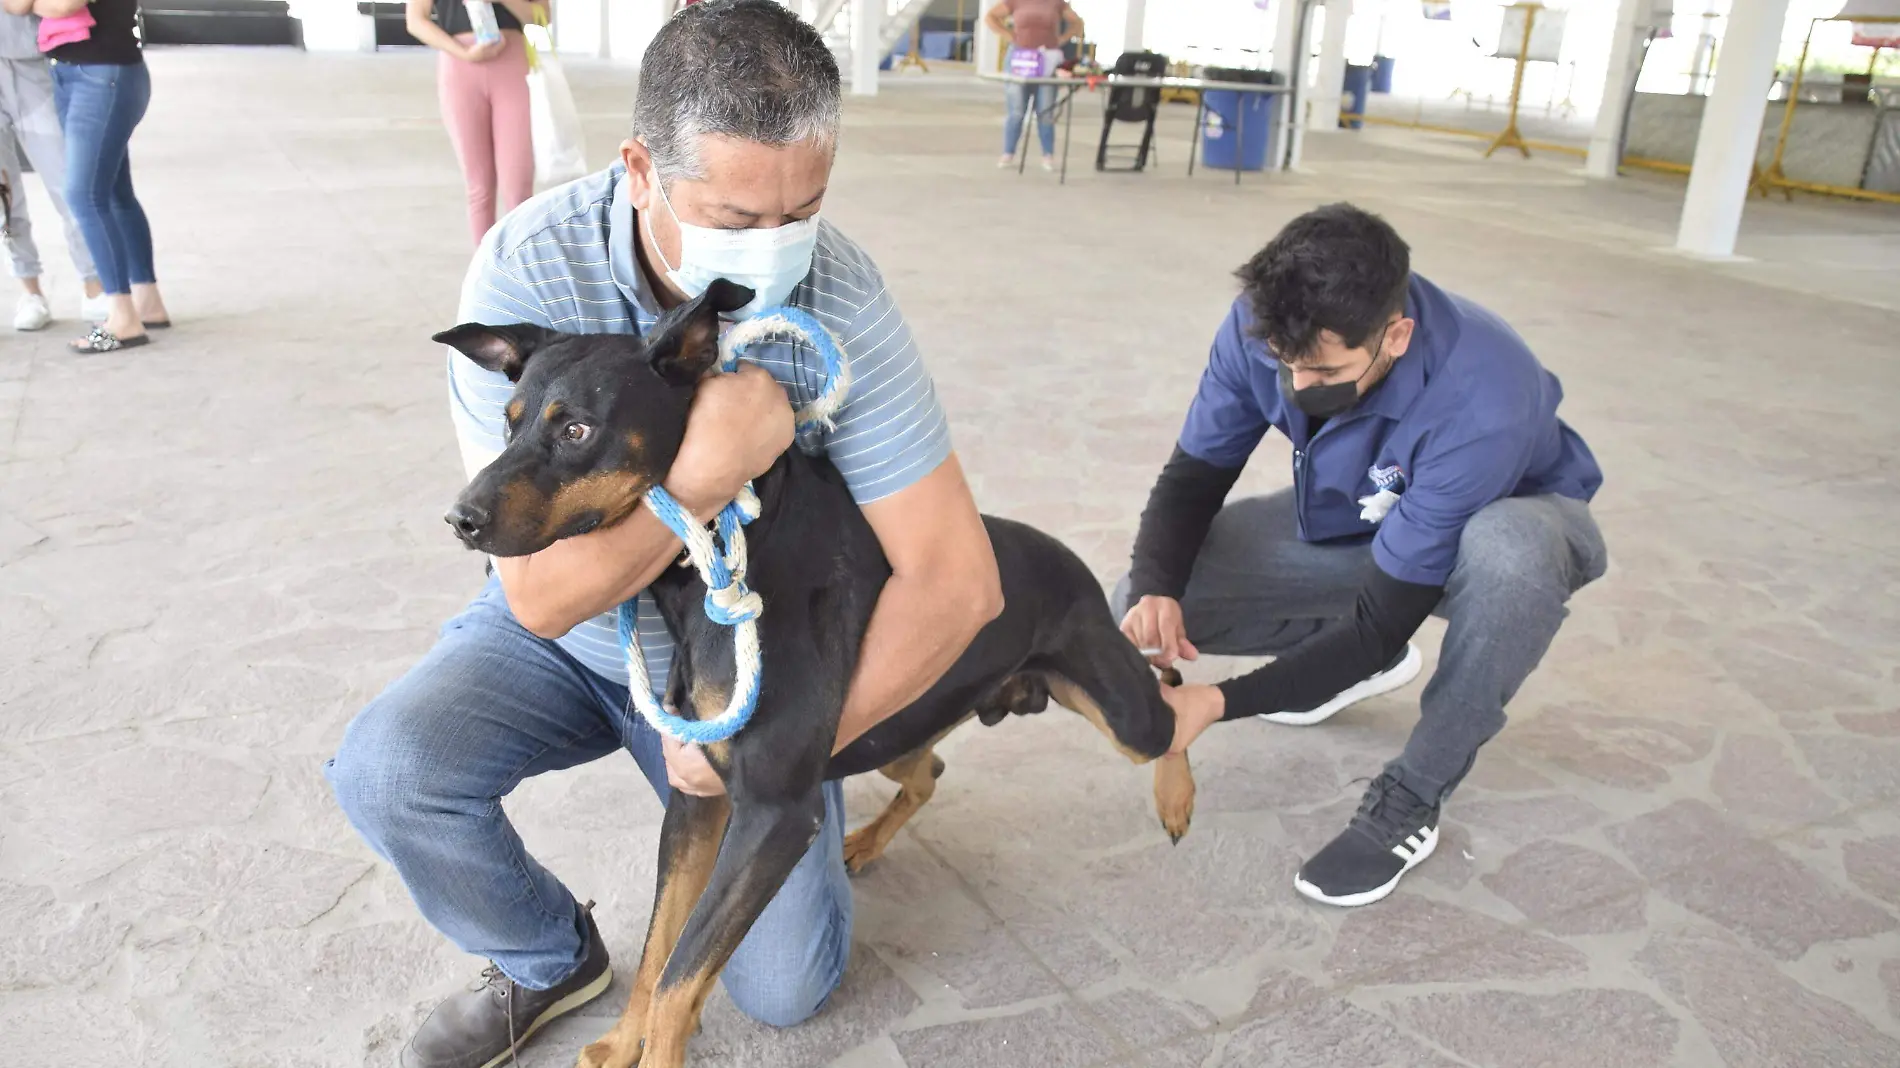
[748, 69]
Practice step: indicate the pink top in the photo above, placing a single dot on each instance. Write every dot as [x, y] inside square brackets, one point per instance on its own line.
[66, 30]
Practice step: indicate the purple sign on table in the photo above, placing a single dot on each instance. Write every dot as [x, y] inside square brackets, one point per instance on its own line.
[1033, 62]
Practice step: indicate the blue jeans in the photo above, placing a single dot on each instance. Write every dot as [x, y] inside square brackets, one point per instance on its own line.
[100, 104]
[1019, 96]
[422, 770]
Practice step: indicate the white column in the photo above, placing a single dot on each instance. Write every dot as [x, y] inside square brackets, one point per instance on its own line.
[1134, 24]
[1731, 127]
[334, 27]
[867, 17]
[1289, 46]
[605, 49]
[1626, 54]
[983, 48]
[1322, 112]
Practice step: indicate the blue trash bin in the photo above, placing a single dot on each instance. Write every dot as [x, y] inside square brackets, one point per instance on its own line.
[1239, 127]
[1382, 74]
[1358, 85]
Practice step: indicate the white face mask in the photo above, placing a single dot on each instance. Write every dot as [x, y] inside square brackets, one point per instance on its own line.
[769, 262]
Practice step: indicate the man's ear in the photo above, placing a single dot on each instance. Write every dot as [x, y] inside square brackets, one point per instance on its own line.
[498, 348]
[685, 345]
[1399, 338]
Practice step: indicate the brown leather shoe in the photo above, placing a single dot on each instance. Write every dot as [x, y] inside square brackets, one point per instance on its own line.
[484, 1025]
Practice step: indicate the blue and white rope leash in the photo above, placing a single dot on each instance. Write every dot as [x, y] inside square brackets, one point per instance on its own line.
[722, 565]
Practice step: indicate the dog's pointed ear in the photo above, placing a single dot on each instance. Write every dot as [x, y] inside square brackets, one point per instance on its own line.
[498, 348]
[685, 345]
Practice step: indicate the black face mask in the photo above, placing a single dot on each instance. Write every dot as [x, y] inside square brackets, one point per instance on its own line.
[1324, 402]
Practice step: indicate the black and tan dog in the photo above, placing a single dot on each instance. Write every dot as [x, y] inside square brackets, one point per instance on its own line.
[816, 562]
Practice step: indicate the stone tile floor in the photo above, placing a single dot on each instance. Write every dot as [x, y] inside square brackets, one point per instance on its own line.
[1685, 851]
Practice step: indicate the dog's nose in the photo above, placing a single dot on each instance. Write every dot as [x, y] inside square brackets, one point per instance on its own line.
[468, 520]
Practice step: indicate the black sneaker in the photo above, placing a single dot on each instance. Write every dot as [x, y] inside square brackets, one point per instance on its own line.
[1392, 833]
[484, 1025]
[1403, 669]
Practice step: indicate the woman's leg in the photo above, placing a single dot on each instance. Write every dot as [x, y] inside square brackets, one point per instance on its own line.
[99, 105]
[513, 128]
[1046, 119]
[130, 223]
[465, 110]
[1017, 101]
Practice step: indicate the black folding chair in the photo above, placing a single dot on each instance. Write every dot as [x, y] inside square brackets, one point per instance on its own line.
[1129, 104]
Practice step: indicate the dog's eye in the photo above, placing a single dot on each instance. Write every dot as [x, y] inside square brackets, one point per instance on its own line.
[576, 431]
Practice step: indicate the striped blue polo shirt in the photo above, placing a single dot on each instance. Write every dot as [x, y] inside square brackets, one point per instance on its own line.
[565, 260]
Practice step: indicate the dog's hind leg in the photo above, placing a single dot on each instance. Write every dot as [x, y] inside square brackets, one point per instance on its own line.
[916, 777]
[764, 842]
[1100, 676]
[689, 845]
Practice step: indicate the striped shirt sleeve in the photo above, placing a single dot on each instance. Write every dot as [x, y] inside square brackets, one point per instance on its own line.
[892, 430]
[492, 293]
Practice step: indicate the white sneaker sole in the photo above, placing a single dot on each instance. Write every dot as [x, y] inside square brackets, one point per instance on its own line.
[556, 1011]
[1377, 893]
[1383, 682]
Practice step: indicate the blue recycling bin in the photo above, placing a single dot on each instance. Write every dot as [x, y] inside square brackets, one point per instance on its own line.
[1382, 73]
[1238, 129]
[1358, 86]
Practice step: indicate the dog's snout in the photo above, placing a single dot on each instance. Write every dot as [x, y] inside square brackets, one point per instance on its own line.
[469, 520]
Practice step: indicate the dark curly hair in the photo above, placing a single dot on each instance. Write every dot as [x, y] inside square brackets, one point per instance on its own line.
[1336, 268]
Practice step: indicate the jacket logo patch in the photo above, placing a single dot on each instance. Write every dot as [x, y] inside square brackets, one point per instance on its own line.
[1390, 482]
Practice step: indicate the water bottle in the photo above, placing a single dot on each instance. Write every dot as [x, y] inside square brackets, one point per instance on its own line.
[481, 19]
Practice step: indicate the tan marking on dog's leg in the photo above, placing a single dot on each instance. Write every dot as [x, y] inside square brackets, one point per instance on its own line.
[675, 1020]
[916, 777]
[683, 883]
[1174, 781]
[1077, 700]
[1174, 793]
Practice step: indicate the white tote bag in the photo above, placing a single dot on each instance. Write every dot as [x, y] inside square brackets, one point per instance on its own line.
[559, 151]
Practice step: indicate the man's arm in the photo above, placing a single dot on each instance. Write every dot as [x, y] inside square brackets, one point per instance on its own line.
[739, 425]
[1223, 427]
[1387, 612]
[1413, 555]
[1181, 508]
[943, 589]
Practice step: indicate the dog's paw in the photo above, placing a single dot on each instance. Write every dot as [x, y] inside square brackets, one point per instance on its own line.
[861, 847]
[610, 1052]
[1174, 794]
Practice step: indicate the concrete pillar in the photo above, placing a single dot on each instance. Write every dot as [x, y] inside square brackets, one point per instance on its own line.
[1731, 126]
[334, 27]
[1322, 112]
[1289, 55]
[983, 46]
[1135, 20]
[1626, 56]
[867, 18]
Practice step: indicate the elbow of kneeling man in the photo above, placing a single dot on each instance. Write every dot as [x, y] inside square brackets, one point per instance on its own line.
[986, 599]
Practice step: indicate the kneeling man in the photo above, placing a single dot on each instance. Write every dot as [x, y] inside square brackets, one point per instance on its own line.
[1431, 475]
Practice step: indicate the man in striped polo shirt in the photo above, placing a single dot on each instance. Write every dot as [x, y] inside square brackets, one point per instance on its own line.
[734, 133]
